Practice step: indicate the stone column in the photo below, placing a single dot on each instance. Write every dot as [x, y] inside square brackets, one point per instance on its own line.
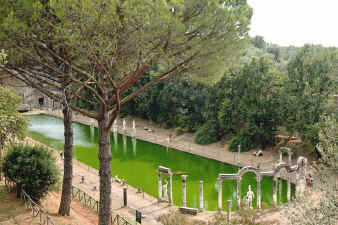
[201, 196]
[275, 180]
[238, 154]
[289, 188]
[219, 180]
[171, 200]
[159, 186]
[91, 128]
[289, 158]
[229, 210]
[184, 190]
[259, 192]
[280, 157]
[238, 192]
[280, 183]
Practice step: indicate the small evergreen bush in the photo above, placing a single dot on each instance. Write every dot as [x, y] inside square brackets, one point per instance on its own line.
[207, 134]
[242, 139]
[33, 168]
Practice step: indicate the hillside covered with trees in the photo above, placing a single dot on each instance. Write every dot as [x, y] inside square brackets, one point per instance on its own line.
[269, 89]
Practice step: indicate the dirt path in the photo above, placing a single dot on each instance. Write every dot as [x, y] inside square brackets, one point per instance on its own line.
[13, 211]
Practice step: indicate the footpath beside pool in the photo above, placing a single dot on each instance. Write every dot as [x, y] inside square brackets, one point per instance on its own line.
[151, 208]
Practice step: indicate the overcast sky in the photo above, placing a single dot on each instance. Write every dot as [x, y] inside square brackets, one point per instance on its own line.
[296, 22]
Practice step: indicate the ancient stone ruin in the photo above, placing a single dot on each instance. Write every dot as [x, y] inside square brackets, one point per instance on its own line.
[300, 181]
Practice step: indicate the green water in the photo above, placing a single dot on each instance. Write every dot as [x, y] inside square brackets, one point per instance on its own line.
[137, 164]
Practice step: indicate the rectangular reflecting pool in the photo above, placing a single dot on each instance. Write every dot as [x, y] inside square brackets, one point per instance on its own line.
[136, 162]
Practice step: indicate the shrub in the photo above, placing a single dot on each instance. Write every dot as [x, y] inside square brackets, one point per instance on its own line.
[32, 168]
[179, 131]
[207, 134]
[242, 139]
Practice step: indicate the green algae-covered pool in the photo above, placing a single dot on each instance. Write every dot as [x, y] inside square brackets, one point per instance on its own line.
[138, 165]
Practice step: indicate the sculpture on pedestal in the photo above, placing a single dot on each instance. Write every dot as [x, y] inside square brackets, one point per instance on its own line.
[249, 197]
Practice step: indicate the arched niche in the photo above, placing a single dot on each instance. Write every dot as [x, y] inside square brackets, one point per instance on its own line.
[240, 173]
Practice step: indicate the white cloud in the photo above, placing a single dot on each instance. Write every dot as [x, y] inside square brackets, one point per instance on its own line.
[296, 22]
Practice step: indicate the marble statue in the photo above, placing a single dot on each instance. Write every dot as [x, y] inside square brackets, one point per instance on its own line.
[249, 197]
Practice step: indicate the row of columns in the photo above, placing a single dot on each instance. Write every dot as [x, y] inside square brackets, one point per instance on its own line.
[237, 177]
[275, 184]
[184, 192]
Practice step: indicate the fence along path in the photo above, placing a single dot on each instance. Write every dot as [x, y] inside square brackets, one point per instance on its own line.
[44, 217]
[92, 203]
[77, 193]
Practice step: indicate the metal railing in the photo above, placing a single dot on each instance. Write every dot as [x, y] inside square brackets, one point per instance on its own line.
[92, 203]
[44, 217]
[84, 198]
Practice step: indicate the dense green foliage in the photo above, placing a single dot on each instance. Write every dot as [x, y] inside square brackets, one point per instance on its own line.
[208, 133]
[249, 105]
[310, 82]
[251, 102]
[32, 168]
[242, 140]
[12, 124]
[176, 103]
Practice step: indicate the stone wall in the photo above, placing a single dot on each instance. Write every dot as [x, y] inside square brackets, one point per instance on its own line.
[32, 98]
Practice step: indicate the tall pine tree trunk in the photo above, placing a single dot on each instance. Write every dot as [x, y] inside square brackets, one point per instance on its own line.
[105, 157]
[66, 197]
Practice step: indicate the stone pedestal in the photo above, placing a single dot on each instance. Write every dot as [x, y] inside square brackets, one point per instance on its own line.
[184, 190]
[201, 196]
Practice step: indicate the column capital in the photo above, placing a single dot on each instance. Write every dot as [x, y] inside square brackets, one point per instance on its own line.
[184, 177]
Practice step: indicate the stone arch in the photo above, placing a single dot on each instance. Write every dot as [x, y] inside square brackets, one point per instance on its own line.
[247, 169]
[240, 173]
[287, 150]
